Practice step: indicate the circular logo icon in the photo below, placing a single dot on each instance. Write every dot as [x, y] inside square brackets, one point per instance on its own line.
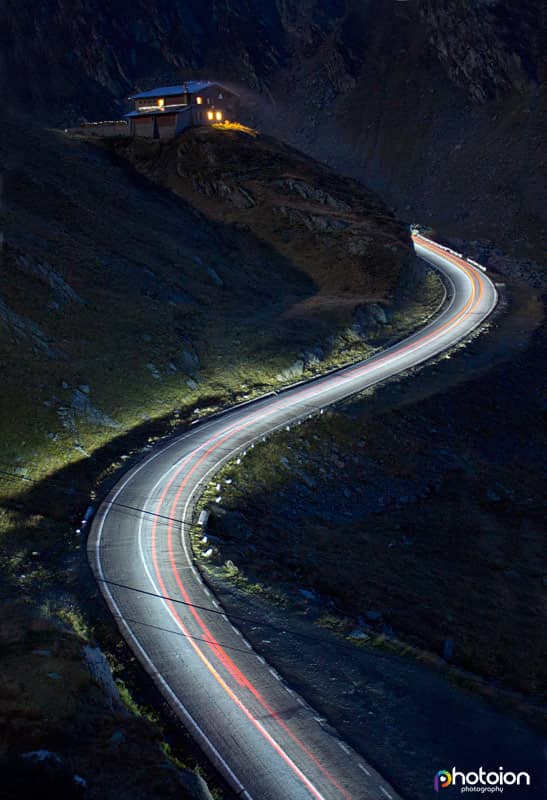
[442, 780]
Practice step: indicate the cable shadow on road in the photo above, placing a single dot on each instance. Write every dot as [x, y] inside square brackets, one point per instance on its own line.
[220, 612]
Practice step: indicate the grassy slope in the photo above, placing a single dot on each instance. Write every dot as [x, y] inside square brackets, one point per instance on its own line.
[123, 309]
[430, 514]
[159, 286]
[52, 698]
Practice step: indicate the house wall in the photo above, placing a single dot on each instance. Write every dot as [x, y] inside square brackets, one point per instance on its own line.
[166, 125]
[176, 99]
[144, 126]
[215, 98]
[184, 120]
[199, 115]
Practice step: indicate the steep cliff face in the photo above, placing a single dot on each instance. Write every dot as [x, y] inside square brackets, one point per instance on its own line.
[440, 106]
[437, 104]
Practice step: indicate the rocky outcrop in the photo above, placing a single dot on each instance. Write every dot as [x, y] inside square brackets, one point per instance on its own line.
[62, 293]
[23, 330]
[310, 192]
[65, 727]
[81, 409]
[488, 47]
[293, 372]
[369, 317]
[327, 225]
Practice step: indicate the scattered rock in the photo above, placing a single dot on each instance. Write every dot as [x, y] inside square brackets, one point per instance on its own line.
[42, 755]
[296, 370]
[154, 370]
[101, 674]
[81, 406]
[24, 330]
[195, 785]
[46, 770]
[512, 573]
[306, 478]
[63, 293]
[369, 317]
[187, 360]
[215, 277]
[117, 738]
[313, 357]
[448, 649]
[358, 634]
[309, 192]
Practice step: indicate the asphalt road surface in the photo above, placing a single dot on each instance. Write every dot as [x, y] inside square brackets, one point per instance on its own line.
[263, 737]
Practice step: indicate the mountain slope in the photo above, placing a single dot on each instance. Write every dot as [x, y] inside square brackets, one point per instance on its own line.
[439, 106]
[111, 283]
[126, 312]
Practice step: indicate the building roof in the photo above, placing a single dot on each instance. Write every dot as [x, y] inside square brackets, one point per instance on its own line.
[164, 91]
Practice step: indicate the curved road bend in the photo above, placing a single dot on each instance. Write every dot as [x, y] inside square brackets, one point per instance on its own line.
[261, 735]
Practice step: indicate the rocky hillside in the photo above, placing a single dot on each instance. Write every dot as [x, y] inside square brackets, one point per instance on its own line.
[63, 715]
[397, 518]
[440, 106]
[94, 254]
[127, 311]
[310, 215]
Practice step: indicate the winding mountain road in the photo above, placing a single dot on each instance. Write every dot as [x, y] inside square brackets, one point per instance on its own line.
[261, 735]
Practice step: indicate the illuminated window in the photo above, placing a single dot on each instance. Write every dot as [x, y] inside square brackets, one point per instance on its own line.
[161, 102]
[210, 115]
[199, 100]
[218, 115]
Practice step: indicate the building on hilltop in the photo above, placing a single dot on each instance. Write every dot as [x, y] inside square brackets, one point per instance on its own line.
[166, 111]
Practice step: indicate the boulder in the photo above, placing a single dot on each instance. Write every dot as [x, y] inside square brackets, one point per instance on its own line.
[296, 370]
[369, 317]
[215, 277]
